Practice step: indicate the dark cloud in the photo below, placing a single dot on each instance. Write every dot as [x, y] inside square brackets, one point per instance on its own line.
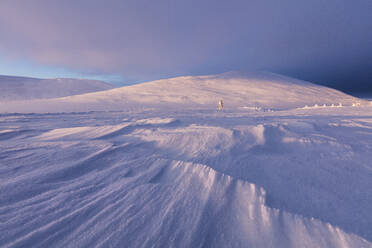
[328, 41]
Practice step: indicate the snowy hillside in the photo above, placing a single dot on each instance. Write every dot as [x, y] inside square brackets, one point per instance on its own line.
[170, 170]
[265, 90]
[22, 88]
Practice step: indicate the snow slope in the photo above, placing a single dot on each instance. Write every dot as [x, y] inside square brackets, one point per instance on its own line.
[22, 88]
[182, 174]
[238, 90]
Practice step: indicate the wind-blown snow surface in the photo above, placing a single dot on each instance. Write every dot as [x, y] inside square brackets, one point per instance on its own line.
[188, 177]
[22, 88]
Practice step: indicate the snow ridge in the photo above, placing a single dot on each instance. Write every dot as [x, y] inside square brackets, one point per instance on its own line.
[164, 181]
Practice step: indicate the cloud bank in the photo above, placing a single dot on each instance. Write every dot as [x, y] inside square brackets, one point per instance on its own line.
[323, 41]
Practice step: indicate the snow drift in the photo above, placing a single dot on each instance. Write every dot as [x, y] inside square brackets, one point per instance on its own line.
[162, 182]
[22, 88]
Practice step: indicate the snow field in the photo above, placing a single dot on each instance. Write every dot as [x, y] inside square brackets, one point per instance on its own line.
[157, 165]
[177, 180]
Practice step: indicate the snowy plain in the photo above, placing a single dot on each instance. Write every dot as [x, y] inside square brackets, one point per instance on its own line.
[157, 165]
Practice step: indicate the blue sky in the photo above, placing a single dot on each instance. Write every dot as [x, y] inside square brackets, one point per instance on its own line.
[323, 41]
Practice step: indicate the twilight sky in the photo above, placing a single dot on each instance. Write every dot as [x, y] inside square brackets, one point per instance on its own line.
[324, 41]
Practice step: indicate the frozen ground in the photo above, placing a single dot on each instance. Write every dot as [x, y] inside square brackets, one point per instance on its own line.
[252, 175]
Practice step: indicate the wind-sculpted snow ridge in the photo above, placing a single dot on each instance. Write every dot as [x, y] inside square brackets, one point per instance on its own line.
[156, 203]
[257, 90]
[181, 180]
[22, 88]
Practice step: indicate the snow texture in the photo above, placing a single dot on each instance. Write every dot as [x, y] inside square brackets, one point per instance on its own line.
[181, 174]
